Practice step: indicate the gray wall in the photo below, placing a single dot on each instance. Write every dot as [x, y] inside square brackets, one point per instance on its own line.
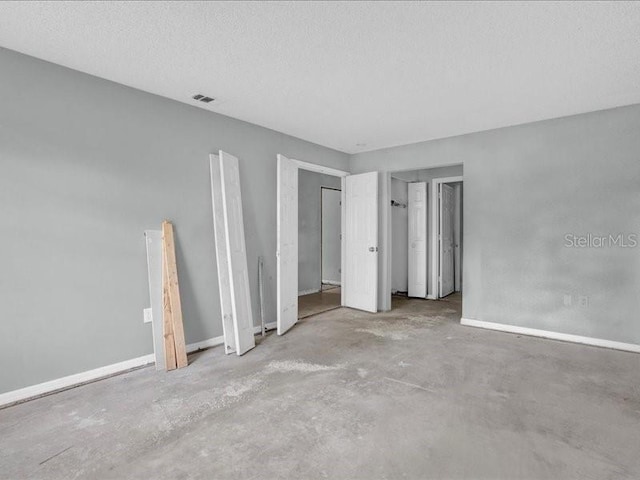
[86, 166]
[399, 237]
[525, 188]
[309, 201]
[331, 241]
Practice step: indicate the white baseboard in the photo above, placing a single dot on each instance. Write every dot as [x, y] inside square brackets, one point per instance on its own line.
[98, 373]
[76, 379]
[332, 282]
[563, 337]
[210, 342]
[431, 297]
[268, 326]
[308, 292]
[72, 380]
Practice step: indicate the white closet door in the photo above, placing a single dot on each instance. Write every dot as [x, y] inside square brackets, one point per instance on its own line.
[237, 254]
[417, 267]
[287, 244]
[447, 204]
[361, 243]
[222, 258]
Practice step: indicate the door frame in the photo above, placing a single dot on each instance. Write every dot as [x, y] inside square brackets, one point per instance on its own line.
[433, 290]
[312, 167]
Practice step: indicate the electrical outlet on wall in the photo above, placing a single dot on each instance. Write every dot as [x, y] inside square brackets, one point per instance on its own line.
[584, 301]
[147, 315]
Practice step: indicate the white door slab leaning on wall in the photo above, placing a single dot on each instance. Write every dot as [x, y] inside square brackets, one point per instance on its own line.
[361, 242]
[417, 211]
[153, 239]
[447, 204]
[287, 244]
[222, 258]
[236, 253]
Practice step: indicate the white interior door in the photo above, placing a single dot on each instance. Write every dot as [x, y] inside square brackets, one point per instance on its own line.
[287, 244]
[361, 244]
[447, 204]
[237, 254]
[417, 258]
[222, 258]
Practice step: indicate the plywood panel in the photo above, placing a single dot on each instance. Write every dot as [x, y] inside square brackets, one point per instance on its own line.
[172, 288]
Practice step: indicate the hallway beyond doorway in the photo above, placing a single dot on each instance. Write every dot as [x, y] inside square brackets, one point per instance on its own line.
[323, 301]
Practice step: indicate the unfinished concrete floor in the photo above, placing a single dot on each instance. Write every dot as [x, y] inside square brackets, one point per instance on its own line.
[406, 394]
[328, 298]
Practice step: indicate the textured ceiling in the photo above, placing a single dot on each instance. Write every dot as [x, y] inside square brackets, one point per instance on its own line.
[352, 76]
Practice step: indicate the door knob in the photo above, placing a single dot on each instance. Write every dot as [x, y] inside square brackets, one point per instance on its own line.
[373, 249]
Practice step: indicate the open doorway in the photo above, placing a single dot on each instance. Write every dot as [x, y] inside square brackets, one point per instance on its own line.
[359, 248]
[424, 264]
[448, 235]
[319, 243]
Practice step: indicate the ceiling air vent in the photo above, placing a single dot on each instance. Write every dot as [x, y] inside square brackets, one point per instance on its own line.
[203, 98]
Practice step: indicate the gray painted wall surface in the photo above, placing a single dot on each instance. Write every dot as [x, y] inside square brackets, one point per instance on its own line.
[525, 188]
[309, 201]
[399, 237]
[331, 241]
[86, 166]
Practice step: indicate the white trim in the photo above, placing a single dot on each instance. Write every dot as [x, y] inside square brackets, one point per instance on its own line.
[312, 167]
[563, 337]
[73, 380]
[267, 326]
[421, 167]
[386, 243]
[434, 290]
[386, 238]
[343, 238]
[431, 297]
[331, 282]
[308, 292]
[93, 375]
[210, 342]
[78, 379]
